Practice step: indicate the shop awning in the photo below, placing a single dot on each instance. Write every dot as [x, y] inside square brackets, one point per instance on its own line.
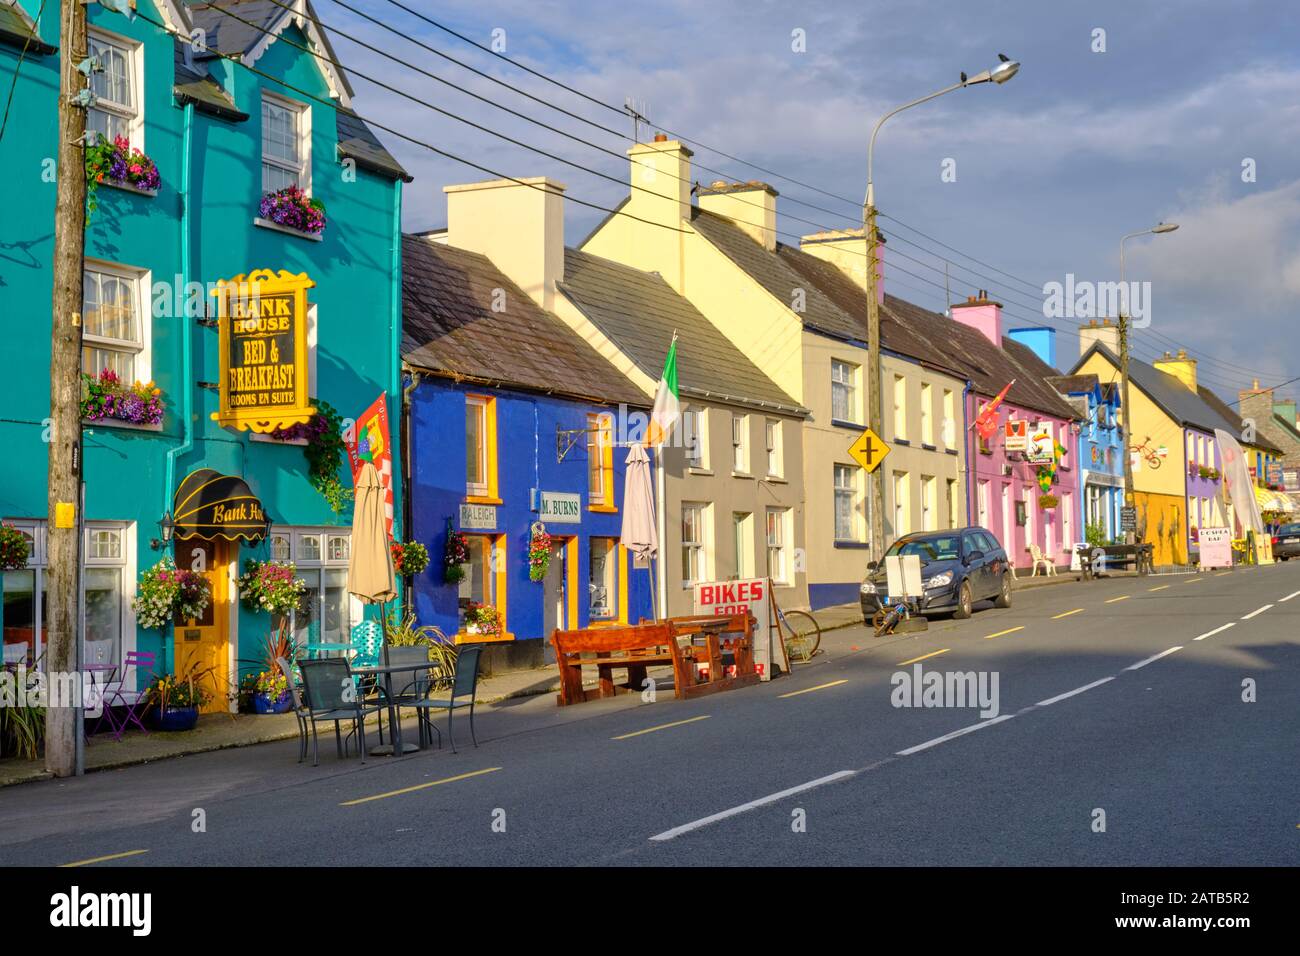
[212, 505]
[1273, 500]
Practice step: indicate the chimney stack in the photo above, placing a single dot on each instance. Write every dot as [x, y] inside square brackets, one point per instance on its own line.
[751, 206]
[982, 314]
[846, 249]
[1179, 366]
[1104, 332]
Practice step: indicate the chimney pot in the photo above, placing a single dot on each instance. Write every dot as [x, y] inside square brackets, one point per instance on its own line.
[1254, 383]
[661, 138]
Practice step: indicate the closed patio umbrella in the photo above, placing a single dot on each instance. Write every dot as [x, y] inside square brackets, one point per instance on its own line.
[370, 568]
[640, 535]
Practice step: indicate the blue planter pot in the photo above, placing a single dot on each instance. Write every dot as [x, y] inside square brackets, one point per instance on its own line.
[178, 718]
[262, 704]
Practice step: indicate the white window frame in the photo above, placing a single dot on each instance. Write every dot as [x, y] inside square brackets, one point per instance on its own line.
[133, 112]
[143, 350]
[740, 462]
[900, 407]
[775, 440]
[853, 489]
[742, 533]
[700, 551]
[902, 503]
[303, 168]
[844, 376]
[696, 425]
[600, 437]
[928, 489]
[296, 535]
[927, 414]
[778, 544]
[954, 502]
[949, 418]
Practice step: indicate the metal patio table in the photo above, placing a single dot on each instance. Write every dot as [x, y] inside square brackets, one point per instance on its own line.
[398, 747]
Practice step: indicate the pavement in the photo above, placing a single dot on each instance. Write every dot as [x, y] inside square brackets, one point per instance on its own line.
[1138, 721]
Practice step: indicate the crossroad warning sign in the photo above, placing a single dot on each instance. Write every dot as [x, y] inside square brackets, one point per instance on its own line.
[869, 450]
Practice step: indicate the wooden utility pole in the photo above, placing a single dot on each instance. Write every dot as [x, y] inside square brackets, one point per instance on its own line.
[1130, 536]
[65, 455]
[876, 480]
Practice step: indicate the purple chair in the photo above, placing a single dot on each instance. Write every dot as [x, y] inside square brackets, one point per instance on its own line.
[114, 696]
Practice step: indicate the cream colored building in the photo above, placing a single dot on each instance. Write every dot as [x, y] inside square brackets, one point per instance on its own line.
[798, 315]
[729, 483]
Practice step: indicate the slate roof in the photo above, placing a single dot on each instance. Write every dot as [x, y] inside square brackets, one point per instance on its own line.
[1231, 415]
[448, 327]
[638, 311]
[17, 29]
[837, 306]
[1074, 384]
[1169, 393]
[194, 85]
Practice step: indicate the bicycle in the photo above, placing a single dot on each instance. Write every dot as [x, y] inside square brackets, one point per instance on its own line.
[799, 632]
[1151, 455]
[886, 619]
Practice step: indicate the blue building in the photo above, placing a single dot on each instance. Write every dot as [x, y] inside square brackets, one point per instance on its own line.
[257, 109]
[512, 422]
[1101, 446]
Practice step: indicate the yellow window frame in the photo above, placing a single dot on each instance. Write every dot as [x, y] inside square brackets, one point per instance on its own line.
[489, 405]
[600, 425]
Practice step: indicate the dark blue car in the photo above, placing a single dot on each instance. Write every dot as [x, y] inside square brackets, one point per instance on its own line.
[958, 568]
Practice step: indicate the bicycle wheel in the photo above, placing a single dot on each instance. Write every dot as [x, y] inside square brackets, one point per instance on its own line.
[878, 621]
[803, 635]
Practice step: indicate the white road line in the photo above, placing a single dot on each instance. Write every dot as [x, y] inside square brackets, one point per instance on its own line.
[1156, 657]
[1071, 693]
[752, 805]
[1260, 610]
[1217, 630]
[1289, 596]
[956, 733]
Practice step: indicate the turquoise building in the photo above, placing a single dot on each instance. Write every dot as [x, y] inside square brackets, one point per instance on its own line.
[243, 111]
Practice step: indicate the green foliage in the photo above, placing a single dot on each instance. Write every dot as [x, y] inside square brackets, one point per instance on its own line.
[324, 454]
[1095, 535]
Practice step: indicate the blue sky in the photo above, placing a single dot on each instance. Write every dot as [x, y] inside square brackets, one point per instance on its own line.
[1052, 168]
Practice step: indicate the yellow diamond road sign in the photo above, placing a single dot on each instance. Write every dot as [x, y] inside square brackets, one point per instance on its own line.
[869, 451]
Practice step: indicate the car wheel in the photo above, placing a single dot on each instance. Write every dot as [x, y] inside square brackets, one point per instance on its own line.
[963, 602]
[1003, 598]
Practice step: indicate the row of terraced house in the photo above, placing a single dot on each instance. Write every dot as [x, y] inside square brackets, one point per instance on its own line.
[516, 369]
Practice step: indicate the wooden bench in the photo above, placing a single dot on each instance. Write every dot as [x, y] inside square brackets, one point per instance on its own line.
[1140, 556]
[681, 642]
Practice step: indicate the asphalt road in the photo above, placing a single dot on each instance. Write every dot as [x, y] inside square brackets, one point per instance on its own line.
[1120, 697]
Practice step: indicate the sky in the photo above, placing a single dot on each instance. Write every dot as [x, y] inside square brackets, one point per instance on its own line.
[1181, 110]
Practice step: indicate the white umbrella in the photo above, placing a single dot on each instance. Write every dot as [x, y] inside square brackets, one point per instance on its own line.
[370, 567]
[640, 534]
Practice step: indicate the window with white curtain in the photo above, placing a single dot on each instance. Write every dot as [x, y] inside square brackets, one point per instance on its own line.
[328, 612]
[286, 144]
[114, 323]
[117, 110]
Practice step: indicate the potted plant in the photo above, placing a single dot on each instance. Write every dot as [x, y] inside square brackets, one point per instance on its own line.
[454, 556]
[1047, 502]
[107, 397]
[179, 697]
[482, 619]
[14, 548]
[406, 633]
[118, 163]
[409, 557]
[539, 553]
[292, 208]
[271, 693]
[165, 592]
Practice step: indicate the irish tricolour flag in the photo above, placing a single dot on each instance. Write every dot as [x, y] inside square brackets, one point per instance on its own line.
[667, 405]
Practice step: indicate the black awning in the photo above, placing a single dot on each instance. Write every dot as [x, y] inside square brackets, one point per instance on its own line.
[212, 505]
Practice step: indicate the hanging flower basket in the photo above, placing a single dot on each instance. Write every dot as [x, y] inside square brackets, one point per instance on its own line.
[539, 553]
[108, 397]
[292, 208]
[1047, 502]
[165, 591]
[14, 548]
[454, 556]
[119, 164]
[409, 557]
[271, 586]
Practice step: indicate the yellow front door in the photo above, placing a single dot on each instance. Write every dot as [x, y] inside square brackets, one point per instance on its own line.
[203, 645]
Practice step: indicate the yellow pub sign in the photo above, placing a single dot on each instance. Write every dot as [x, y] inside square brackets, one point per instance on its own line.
[263, 321]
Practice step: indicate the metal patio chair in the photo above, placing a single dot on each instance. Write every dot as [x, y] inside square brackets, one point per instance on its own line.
[463, 685]
[328, 699]
[299, 706]
[113, 695]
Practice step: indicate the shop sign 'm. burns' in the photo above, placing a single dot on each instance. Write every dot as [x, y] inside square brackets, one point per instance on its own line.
[263, 318]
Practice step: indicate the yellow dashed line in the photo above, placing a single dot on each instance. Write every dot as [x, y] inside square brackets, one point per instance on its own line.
[1161, 588]
[1195, 580]
[1010, 630]
[651, 730]
[102, 859]
[923, 657]
[1122, 597]
[809, 690]
[1057, 617]
[418, 786]
[1222, 573]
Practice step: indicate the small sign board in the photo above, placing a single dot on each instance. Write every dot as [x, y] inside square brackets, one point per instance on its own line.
[1216, 547]
[1127, 519]
[903, 575]
[869, 450]
[1041, 449]
[753, 596]
[478, 517]
[1017, 435]
[558, 507]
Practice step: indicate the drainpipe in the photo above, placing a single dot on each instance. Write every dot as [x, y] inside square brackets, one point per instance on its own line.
[408, 599]
[187, 322]
[966, 441]
[394, 353]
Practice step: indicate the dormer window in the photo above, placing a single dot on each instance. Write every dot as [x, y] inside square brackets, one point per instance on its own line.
[286, 144]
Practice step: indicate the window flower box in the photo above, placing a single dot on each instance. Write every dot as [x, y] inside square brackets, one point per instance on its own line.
[118, 164]
[108, 399]
[291, 210]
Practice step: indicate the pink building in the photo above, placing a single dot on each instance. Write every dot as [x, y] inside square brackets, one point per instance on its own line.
[1003, 491]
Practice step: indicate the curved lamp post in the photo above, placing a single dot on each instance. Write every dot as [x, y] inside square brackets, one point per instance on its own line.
[1005, 70]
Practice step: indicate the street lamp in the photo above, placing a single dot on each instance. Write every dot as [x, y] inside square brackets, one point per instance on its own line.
[1005, 70]
[1130, 535]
